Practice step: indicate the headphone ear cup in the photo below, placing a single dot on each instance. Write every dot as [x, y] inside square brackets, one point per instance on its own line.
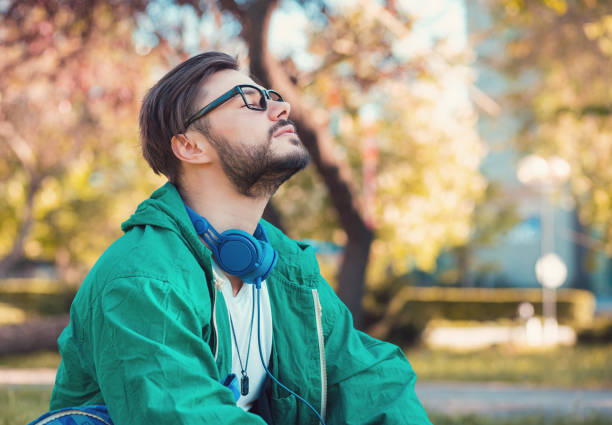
[239, 253]
[242, 255]
[250, 257]
[266, 263]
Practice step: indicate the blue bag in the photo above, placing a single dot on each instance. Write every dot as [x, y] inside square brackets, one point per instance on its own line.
[98, 415]
[83, 415]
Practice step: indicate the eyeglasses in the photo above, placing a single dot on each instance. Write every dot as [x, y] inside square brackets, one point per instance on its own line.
[254, 98]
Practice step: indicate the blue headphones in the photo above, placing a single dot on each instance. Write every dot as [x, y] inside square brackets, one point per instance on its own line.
[251, 258]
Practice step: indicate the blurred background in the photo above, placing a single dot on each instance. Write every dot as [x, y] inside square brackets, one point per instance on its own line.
[460, 197]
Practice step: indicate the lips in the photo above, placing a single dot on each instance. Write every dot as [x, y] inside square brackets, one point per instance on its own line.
[285, 130]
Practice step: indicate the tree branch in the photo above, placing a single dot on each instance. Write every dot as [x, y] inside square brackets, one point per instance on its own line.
[22, 150]
[232, 7]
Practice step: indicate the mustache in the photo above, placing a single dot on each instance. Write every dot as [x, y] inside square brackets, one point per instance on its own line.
[279, 124]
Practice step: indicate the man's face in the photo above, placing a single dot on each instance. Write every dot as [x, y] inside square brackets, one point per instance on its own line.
[257, 150]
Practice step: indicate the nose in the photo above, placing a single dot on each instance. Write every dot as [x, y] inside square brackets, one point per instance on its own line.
[278, 110]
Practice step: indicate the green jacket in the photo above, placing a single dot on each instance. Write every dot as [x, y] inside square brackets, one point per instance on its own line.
[149, 337]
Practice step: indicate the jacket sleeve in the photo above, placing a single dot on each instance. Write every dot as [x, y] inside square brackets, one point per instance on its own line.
[369, 381]
[151, 362]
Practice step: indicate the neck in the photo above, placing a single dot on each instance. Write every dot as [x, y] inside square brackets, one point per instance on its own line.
[222, 206]
[224, 209]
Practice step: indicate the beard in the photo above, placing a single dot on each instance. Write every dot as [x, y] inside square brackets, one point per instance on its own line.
[256, 171]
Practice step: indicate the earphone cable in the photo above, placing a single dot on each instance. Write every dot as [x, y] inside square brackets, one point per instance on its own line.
[244, 379]
[263, 363]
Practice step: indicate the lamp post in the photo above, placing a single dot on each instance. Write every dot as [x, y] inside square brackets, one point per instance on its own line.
[551, 272]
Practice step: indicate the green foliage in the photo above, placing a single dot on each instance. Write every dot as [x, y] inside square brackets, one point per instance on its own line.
[37, 359]
[34, 305]
[70, 167]
[493, 217]
[402, 316]
[387, 113]
[21, 299]
[598, 332]
[66, 187]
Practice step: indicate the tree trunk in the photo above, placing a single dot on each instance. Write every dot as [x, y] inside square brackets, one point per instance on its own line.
[464, 256]
[315, 136]
[39, 334]
[16, 252]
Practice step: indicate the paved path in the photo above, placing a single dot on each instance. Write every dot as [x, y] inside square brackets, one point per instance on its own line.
[39, 376]
[448, 397]
[503, 399]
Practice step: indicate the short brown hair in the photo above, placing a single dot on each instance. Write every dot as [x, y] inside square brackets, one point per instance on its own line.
[169, 103]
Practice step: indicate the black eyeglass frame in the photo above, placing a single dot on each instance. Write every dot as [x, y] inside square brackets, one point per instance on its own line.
[265, 96]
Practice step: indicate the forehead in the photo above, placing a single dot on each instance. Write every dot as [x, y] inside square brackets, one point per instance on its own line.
[222, 81]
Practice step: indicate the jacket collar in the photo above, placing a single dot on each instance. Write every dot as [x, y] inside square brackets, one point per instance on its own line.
[165, 209]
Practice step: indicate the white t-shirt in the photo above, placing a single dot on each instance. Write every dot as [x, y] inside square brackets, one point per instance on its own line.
[240, 308]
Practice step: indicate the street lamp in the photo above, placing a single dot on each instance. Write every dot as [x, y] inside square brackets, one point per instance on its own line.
[551, 272]
[535, 170]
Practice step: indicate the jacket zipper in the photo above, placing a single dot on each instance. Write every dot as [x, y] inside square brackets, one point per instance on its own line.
[70, 412]
[214, 314]
[318, 310]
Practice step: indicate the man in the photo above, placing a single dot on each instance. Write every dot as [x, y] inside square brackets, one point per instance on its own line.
[163, 332]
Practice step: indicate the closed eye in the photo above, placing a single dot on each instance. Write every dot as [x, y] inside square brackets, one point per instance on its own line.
[253, 97]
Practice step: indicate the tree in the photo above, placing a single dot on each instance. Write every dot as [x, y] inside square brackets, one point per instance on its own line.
[560, 56]
[427, 183]
[68, 102]
[255, 18]
[388, 158]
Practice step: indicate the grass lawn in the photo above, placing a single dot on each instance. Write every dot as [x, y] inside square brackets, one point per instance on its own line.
[579, 366]
[23, 404]
[565, 367]
[440, 419]
[20, 405]
[582, 366]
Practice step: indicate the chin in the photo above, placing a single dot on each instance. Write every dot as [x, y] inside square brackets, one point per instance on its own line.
[291, 140]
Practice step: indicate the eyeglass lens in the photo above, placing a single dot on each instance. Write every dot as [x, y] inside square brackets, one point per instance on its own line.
[256, 99]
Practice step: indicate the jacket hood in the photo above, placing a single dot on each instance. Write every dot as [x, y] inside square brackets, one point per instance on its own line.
[165, 209]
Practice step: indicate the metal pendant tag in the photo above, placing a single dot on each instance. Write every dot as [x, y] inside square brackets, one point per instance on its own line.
[244, 385]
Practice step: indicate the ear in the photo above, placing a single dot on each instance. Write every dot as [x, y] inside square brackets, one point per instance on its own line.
[190, 150]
